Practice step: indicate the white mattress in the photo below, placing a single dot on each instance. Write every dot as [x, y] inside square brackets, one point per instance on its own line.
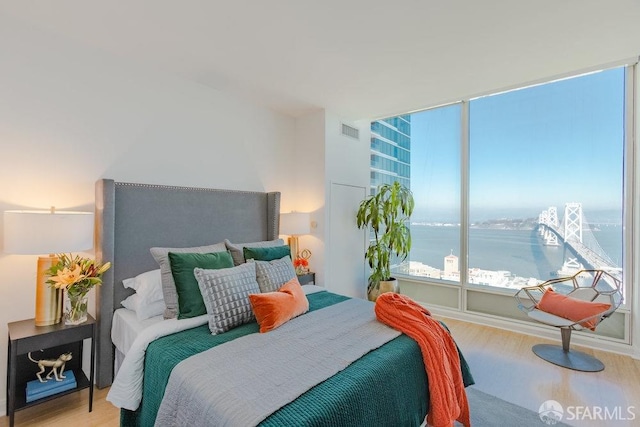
[126, 327]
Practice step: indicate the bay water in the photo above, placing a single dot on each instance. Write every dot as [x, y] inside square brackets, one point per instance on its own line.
[521, 252]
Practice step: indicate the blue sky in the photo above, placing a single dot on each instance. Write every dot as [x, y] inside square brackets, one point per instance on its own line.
[529, 149]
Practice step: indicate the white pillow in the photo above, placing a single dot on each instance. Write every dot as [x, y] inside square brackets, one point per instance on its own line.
[132, 302]
[143, 310]
[130, 283]
[148, 286]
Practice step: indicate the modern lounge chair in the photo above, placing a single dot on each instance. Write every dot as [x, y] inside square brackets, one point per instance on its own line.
[578, 302]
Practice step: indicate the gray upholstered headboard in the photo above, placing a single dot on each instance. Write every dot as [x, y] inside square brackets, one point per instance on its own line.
[131, 218]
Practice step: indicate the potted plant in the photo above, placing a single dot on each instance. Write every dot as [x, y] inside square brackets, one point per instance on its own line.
[386, 213]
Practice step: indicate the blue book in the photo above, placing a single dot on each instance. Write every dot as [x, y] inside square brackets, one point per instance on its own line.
[37, 390]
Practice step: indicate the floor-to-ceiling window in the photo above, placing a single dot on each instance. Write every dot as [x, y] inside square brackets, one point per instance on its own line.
[546, 180]
[435, 182]
[517, 187]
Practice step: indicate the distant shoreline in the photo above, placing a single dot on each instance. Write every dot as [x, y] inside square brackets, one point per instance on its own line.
[528, 224]
[496, 224]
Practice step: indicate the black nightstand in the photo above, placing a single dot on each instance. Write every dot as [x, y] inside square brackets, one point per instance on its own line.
[25, 337]
[307, 279]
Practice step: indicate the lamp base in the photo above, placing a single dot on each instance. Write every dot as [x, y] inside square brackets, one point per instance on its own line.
[293, 245]
[48, 299]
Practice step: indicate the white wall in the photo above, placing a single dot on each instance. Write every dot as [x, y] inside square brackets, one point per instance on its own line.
[325, 157]
[69, 116]
[348, 164]
[309, 172]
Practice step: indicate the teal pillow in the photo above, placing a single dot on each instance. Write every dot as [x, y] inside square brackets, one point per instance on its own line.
[190, 302]
[267, 254]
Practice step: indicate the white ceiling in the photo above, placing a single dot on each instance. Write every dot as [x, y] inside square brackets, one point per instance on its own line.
[358, 58]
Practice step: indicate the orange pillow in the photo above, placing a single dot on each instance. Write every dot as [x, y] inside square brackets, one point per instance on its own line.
[273, 309]
[571, 308]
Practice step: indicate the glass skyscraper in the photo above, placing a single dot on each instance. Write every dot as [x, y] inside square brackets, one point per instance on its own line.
[391, 151]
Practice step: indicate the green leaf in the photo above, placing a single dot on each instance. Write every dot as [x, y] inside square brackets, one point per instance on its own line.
[386, 213]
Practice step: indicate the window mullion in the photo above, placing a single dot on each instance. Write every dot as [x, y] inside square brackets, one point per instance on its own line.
[464, 201]
[631, 180]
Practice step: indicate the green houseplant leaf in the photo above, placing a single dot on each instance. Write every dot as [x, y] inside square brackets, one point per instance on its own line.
[386, 213]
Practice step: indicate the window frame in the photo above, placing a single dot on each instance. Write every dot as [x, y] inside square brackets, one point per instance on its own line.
[631, 184]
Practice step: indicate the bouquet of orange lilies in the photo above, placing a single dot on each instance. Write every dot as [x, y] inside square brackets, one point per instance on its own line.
[75, 274]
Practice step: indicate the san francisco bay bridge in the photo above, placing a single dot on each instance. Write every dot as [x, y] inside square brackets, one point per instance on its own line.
[582, 249]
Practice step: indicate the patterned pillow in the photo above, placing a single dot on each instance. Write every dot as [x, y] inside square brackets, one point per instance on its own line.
[226, 295]
[237, 249]
[169, 293]
[271, 275]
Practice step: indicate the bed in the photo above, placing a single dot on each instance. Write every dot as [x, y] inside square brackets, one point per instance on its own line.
[386, 386]
[125, 329]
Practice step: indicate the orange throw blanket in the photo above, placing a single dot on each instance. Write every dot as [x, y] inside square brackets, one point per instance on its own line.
[440, 355]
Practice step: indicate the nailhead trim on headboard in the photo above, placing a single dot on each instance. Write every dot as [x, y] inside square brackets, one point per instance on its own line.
[144, 221]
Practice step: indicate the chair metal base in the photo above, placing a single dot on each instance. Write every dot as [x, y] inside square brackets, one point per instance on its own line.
[571, 359]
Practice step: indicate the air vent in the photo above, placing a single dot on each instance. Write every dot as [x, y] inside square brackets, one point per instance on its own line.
[350, 131]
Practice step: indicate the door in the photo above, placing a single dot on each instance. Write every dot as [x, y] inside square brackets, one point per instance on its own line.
[347, 243]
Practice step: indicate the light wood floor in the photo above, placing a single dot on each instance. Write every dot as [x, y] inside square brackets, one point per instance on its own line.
[71, 410]
[501, 362]
[504, 366]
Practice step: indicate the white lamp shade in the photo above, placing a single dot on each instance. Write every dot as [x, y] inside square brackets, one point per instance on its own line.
[44, 232]
[295, 223]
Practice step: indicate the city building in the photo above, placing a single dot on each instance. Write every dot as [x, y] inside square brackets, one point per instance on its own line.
[391, 151]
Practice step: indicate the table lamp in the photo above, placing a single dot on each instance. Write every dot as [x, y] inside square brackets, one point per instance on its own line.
[47, 232]
[295, 224]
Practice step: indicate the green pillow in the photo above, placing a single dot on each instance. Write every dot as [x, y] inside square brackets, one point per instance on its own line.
[190, 302]
[267, 254]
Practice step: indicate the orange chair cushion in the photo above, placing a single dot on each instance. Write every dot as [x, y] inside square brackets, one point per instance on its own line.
[571, 308]
[273, 309]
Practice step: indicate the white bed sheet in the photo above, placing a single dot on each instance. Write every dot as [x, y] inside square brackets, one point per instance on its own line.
[126, 327]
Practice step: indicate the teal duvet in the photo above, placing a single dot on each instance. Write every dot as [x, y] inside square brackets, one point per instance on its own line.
[386, 387]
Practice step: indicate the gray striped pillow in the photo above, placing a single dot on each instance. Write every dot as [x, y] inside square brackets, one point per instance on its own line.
[226, 295]
[271, 275]
[237, 252]
[169, 292]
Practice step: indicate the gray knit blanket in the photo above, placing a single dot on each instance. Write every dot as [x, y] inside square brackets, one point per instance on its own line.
[242, 382]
